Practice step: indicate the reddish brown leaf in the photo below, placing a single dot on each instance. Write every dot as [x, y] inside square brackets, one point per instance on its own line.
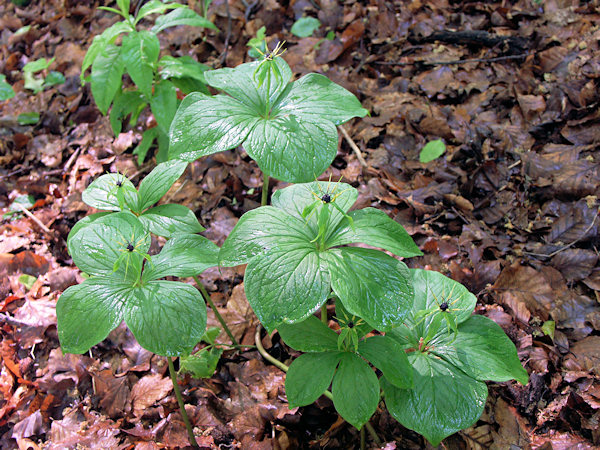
[148, 390]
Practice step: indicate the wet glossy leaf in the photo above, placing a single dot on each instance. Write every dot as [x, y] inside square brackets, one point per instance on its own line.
[103, 193]
[169, 220]
[107, 70]
[159, 181]
[201, 364]
[164, 104]
[310, 335]
[181, 16]
[108, 36]
[443, 401]
[139, 53]
[309, 376]
[371, 285]
[84, 222]
[389, 357]
[182, 67]
[355, 390]
[155, 7]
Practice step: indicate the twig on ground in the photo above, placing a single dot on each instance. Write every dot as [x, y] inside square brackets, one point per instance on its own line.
[37, 221]
[453, 62]
[353, 146]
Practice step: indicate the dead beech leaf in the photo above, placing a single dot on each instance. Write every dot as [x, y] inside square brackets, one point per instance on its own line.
[148, 390]
[531, 105]
[113, 392]
[28, 263]
[575, 263]
[585, 356]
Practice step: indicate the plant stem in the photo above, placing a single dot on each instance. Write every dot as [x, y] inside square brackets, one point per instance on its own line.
[285, 368]
[215, 311]
[363, 443]
[265, 190]
[324, 313]
[264, 353]
[186, 419]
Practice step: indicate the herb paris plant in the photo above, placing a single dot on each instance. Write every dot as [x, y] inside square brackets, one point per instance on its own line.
[288, 128]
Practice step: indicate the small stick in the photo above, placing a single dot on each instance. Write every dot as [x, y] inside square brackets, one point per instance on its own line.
[353, 146]
[35, 219]
[454, 62]
[186, 419]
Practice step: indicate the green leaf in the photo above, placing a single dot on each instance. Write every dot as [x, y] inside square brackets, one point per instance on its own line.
[443, 401]
[204, 125]
[483, 351]
[310, 335]
[373, 227]
[142, 148]
[155, 7]
[54, 78]
[37, 65]
[103, 192]
[164, 104]
[315, 98]
[240, 82]
[305, 26]
[97, 301]
[168, 220]
[182, 16]
[389, 357]
[6, 90]
[140, 52]
[96, 247]
[125, 103]
[262, 230]
[27, 281]
[107, 70]
[287, 284]
[28, 118]
[371, 285]
[548, 328]
[188, 85]
[431, 290]
[159, 181]
[108, 36]
[309, 376]
[32, 83]
[432, 150]
[184, 255]
[292, 149]
[355, 390]
[294, 199]
[87, 220]
[182, 67]
[201, 364]
[124, 7]
[166, 317]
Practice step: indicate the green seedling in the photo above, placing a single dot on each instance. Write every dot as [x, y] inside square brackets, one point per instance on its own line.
[6, 90]
[305, 26]
[432, 150]
[38, 84]
[288, 128]
[155, 80]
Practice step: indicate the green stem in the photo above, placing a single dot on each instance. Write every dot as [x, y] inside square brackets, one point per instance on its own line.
[285, 368]
[186, 419]
[265, 190]
[215, 311]
[363, 440]
[324, 313]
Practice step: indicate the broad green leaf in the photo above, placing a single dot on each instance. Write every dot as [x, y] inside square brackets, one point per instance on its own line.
[27, 281]
[96, 301]
[54, 78]
[371, 285]
[124, 7]
[432, 150]
[171, 219]
[142, 148]
[140, 51]
[37, 65]
[287, 284]
[28, 118]
[184, 255]
[97, 247]
[166, 317]
[164, 104]
[294, 199]
[103, 193]
[548, 328]
[159, 181]
[262, 230]
[310, 335]
[309, 376]
[355, 390]
[108, 36]
[210, 335]
[204, 125]
[188, 85]
[431, 290]
[162, 155]
[373, 227]
[443, 401]
[389, 357]
[124, 104]
[305, 26]
[182, 67]
[107, 70]
[240, 82]
[483, 351]
[6, 90]
[155, 7]
[84, 222]
[201, 364]
[292, 149]
[181, 16]
[316, 98]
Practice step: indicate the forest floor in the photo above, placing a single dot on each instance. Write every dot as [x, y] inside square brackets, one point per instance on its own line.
[510, 210]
